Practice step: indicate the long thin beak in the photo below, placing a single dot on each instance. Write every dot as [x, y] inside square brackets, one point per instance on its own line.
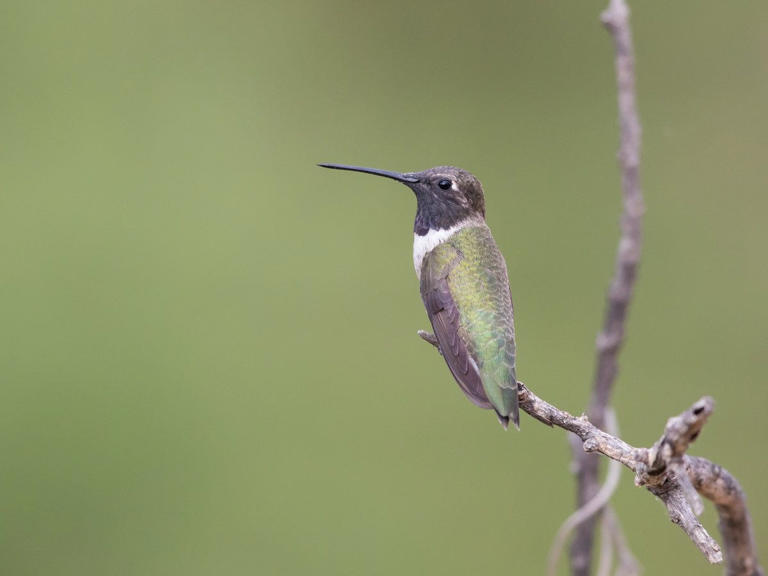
[386, 173]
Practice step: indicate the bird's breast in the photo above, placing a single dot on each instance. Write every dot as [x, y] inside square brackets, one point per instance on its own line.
[423, 245]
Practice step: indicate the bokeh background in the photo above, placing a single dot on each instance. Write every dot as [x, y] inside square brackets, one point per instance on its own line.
[208, 354]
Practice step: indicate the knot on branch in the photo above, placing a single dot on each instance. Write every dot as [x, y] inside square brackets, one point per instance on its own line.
[679, 433]
[606, 342]
[591, 444]
[616, 15]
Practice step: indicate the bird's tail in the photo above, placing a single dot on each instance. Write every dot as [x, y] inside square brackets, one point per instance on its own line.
[514, 414]
[511, 408]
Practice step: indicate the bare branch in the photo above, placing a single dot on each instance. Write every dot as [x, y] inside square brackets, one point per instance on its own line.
[717, 485]
[665, 470]
[616, 19]
[609, 341]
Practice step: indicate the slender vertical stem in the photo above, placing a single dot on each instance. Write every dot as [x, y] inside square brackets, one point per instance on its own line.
[616, 19]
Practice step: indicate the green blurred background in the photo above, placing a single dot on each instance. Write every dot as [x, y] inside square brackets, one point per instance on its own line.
[208, 352]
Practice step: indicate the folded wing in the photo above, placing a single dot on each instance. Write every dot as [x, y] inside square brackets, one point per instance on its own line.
[444, 316]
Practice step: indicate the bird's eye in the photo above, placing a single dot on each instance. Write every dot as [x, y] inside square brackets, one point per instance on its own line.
[444, 184]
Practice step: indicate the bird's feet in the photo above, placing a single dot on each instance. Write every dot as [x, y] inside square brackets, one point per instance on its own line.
[429, 337]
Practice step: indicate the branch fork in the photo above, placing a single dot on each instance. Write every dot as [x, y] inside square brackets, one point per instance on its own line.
[669, 473]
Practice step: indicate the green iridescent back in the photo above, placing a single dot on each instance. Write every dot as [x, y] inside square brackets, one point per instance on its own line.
[477, 277]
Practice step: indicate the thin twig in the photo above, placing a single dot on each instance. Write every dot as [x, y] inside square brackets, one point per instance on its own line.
[664, 469]
[627, 564]
[616, 19]
[592, 507]
[609, 341]
[584, 513]
[606, 548]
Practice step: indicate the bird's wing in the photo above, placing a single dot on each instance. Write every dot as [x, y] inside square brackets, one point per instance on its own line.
[444, 316]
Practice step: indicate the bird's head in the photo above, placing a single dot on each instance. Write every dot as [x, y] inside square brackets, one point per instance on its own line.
[445, 195]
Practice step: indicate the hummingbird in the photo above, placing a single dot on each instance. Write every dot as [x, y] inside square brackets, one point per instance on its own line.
[464, 284]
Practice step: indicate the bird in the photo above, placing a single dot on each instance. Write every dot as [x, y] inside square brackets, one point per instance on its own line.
[464, 284]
